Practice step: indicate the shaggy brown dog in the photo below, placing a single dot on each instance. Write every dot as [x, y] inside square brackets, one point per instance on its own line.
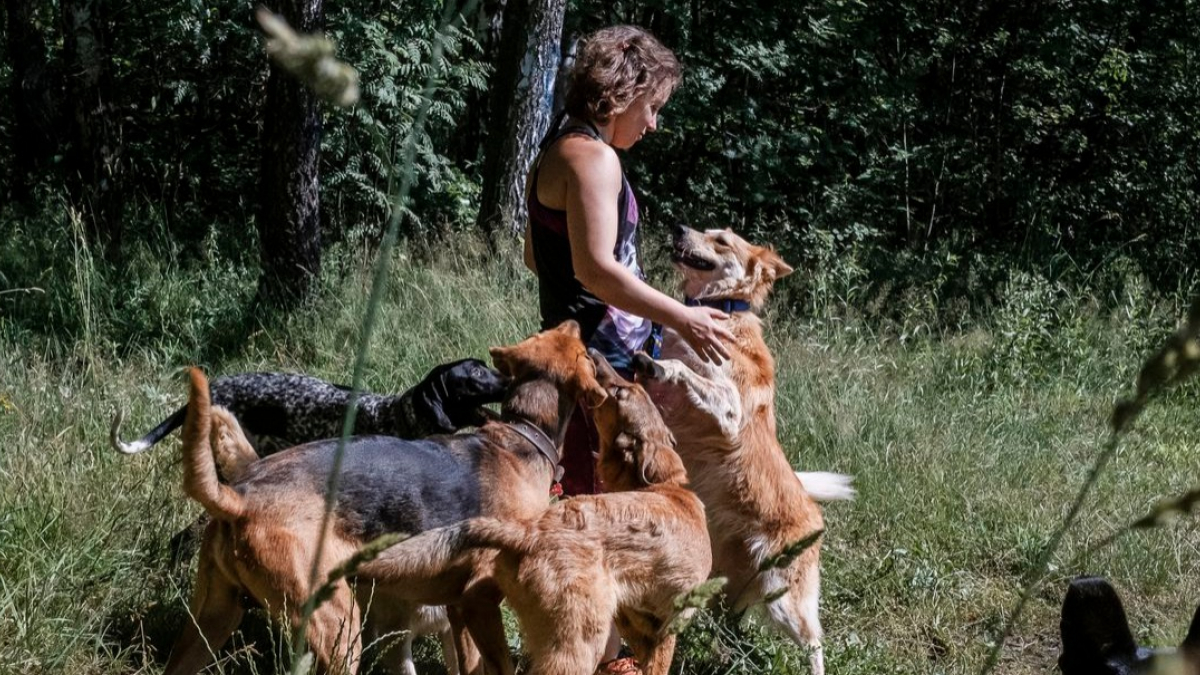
[262, 542]
[723, 417]
[625, 554]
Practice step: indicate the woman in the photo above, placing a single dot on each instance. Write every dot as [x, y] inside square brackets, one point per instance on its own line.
[583, 217]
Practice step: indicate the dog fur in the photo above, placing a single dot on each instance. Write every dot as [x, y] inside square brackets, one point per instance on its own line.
[385, 621]
[627, 554]
[1096, 639]
[281, 410]
[262, 542]
[723, 417]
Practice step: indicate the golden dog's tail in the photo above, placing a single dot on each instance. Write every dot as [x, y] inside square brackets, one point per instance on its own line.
[423, 557]
[506, 535]
[199, 469]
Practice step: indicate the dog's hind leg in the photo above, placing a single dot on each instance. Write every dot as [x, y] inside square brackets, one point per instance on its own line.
[335, 633]
[216, 611]
[467, 659]
[485, 624]
[653, 653]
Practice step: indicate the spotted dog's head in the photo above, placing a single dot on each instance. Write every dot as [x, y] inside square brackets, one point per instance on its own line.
[1096, 639]
[463, 387]
[720, 264]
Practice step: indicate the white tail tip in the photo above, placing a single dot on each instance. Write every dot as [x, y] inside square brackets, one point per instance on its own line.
[824, 486]
[114, 438]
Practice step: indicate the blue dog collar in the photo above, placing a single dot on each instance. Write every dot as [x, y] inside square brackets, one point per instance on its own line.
[728, 306]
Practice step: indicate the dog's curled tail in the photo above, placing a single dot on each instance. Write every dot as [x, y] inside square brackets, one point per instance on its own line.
[199, 469]
[827, 487]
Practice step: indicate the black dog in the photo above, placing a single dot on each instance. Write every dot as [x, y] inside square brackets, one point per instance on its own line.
[278, 410]
[1096, 639]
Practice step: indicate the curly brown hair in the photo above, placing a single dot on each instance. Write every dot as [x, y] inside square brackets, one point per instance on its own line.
[614, 66]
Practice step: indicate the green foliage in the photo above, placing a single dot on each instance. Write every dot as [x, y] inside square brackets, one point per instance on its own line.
[361, 150]
[1020, 133]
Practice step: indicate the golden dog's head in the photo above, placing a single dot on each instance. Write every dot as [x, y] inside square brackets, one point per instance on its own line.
[636, 448]
[556, 354]
[719, 264]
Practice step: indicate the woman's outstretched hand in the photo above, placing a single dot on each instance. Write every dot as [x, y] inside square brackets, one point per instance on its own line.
[702, 330]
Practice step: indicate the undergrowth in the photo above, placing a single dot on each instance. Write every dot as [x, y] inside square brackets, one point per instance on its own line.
[967, 438]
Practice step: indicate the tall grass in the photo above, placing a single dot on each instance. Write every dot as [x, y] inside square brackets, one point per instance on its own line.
[967, 445]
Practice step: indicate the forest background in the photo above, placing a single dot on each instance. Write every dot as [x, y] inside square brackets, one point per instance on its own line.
[991, 206]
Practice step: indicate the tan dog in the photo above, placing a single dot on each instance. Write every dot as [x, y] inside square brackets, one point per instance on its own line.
[262, 542]
[724, 420]
[625, 554]
[385, 621]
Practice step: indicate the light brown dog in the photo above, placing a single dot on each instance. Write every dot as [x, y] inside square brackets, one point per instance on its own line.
[262, 542]
[626, 554]
[723, 417]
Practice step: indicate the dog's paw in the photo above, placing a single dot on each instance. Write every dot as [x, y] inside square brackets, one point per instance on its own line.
[644, 366]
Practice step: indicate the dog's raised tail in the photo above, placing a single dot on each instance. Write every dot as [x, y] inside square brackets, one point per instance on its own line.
[199, 469]
[827, 487]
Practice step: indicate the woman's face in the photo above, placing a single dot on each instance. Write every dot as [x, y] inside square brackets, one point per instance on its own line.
[640, 118]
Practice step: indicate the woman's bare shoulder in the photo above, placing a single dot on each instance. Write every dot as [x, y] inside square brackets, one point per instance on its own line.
[586, 163]
[580, 153]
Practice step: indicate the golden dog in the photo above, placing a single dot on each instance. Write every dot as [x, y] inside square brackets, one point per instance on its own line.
[262, 542]
[626, 554]
[723, 417]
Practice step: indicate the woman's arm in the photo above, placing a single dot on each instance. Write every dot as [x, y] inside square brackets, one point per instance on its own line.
[593, 185]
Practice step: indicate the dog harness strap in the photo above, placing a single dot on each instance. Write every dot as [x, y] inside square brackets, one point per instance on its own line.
[542, 442]
[727, 305]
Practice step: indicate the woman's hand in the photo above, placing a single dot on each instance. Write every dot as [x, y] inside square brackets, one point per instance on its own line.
[699, 327]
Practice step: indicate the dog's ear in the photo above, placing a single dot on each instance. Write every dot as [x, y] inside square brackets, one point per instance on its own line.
[1094, 627]
[570, 327]
[590, 389]
[773, 265]
[605, 375]
[502, 359]
[658, 461]
[437, 409]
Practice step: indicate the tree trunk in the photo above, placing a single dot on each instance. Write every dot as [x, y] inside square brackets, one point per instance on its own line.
[93, 162]
[523, 91]
[34, 113]
[289, 219]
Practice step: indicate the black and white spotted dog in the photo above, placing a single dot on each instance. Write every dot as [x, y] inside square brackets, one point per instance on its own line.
[280, 410]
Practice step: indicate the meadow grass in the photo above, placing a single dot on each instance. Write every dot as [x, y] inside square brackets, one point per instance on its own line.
[967, 448]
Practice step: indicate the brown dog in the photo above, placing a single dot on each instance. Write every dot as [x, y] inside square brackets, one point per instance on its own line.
[262, 542]
[723, 417]
[385, 621]
[626, 554]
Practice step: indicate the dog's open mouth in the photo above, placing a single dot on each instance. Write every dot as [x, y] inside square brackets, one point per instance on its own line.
[691, 259]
